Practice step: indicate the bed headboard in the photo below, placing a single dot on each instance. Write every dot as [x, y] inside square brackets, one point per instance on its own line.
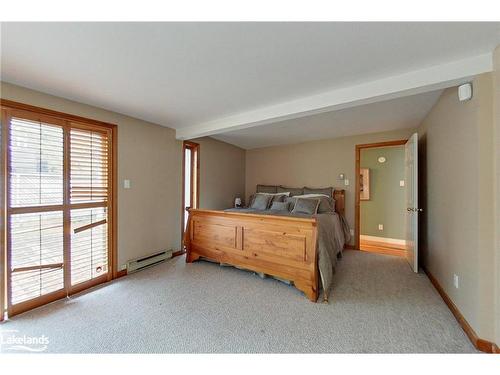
[339, 196]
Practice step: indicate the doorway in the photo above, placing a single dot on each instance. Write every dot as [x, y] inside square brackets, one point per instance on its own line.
[58, 199]
[381, 198]
[190, 180]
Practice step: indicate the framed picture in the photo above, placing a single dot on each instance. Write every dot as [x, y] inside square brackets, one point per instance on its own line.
[364, 184]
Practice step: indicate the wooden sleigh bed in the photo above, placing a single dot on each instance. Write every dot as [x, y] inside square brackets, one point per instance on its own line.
[280, 246]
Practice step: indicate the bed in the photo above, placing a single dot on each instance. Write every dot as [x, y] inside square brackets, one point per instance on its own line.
[299, 248]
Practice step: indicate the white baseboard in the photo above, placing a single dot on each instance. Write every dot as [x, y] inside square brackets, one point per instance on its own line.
[392, 241]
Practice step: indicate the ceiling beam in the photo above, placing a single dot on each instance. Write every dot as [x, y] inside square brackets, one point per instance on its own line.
[411, 83]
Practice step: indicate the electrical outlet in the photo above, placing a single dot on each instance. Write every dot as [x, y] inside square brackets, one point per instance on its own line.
[402, 183]
[126, 184]
[381, 227]
[346, 182]
[455, 280]
[352, 232]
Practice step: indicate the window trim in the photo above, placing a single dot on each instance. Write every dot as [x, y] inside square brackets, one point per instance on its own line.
[195, 196]
[67, 121]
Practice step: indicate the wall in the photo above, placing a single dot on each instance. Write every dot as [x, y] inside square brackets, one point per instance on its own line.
[314, 164]
[387, 204]
[456, 176]
[150, 157]
[222, 173]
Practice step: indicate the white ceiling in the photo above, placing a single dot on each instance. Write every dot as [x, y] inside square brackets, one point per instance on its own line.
[401, 113]
[184, 75]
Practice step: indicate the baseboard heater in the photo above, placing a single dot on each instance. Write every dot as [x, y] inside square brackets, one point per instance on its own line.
[138, 264]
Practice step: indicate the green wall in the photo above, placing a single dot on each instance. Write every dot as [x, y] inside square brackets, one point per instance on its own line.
[387, 199]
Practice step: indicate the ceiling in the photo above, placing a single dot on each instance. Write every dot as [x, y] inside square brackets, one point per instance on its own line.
[183, 75]
[401, 113]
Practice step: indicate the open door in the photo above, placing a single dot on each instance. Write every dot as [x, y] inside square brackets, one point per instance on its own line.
[411, 178]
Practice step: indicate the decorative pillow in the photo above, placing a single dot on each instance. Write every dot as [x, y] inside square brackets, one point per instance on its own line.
[280, 206]
[327, 191]
[306, 206]
[271, 189]
[250, 200]
[291, 202]
[261, 201]
[293, 191]
[326, 204]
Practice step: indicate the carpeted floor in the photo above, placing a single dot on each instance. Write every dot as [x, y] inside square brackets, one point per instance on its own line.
[377, 305]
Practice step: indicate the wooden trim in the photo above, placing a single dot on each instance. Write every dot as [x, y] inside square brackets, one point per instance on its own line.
[3, 212]
[74, 289]
[479, 344]
[357, 217]
[37, 302]
[40, 267]
[178, 253]
[48, 112]
[195, 180]
[113, 205]
[121, 273]
[89, 226]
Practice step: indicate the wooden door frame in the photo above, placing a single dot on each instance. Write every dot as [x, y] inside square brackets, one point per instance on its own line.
[8, 106]
[194, 197]
[357, 183]
[3, 213]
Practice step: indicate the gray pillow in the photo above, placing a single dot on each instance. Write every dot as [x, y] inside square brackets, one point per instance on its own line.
[261, 201]
[293, 191]
[280, 206]
[326, 204]
[327, 191]
[291, 202]
[267, 189]
[306, 206]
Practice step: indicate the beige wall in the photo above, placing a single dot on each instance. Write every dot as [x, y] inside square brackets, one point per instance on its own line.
[151, 158]
[222, 173]
[456, 168]
[314, 164]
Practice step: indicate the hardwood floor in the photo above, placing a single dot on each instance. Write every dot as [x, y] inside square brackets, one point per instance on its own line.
[382, 248]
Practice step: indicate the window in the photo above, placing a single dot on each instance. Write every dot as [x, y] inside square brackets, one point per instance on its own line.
[190, 179]
[58, 219]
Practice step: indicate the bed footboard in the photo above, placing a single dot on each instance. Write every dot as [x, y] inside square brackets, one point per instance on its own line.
[285, 247]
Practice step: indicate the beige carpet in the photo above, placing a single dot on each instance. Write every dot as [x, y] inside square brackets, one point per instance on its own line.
[377, 305]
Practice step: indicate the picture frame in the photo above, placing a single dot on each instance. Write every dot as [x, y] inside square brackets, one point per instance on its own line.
[364, 184]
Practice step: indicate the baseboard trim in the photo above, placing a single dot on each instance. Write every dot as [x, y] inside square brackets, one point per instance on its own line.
[178, 253]
[121, 273]
[383, 240]
[480, 344]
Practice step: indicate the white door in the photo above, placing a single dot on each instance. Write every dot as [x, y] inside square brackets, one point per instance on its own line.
[412, 210]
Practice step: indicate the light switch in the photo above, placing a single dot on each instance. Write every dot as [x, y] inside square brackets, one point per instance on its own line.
[401, 183]
[126, 184]
[381, 227]
[346, 182]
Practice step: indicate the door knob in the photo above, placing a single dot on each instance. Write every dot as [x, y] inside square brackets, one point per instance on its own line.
[409, 209]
